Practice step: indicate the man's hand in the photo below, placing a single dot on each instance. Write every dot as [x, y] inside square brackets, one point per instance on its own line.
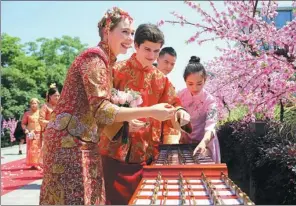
[183, 117]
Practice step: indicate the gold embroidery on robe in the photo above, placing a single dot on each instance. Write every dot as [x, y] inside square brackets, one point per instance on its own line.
[68, 142]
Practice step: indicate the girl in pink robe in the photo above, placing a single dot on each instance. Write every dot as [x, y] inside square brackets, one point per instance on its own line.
[202, 109]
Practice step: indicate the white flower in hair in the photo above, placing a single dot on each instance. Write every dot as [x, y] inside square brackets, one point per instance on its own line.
[53, 85]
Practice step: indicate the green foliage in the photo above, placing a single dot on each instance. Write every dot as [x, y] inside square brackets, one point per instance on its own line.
[10, 49]
[289, 114]
[5, 138]
[236, 114]
[28, 69]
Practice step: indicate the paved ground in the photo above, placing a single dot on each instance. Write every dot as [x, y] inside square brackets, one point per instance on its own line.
[27, 195]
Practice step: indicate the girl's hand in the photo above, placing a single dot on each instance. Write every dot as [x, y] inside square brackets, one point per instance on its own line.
[201, 148]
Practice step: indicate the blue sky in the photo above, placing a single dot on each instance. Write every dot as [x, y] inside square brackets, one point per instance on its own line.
[33, 19]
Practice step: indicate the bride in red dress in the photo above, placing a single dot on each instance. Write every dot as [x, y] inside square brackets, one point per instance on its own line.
[72, 164]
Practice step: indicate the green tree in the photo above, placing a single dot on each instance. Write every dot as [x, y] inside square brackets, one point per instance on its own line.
[28, 69]
[10, 49]
[58, 50]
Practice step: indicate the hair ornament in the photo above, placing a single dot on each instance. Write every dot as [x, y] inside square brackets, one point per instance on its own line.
[52, 85]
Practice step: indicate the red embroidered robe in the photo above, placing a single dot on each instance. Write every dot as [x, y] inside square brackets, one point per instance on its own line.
[122, 171]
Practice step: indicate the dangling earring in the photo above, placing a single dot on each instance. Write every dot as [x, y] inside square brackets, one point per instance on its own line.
[109, 46]
[134, 48]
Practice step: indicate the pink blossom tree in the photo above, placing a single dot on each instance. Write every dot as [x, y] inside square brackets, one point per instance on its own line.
[10, 125]
[259, 70]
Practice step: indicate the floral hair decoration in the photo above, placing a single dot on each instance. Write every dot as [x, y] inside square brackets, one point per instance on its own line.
[52, 85]
[115, 12]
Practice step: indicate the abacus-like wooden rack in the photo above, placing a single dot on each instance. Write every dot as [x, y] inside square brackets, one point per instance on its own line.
[178, 181]
[180, 155]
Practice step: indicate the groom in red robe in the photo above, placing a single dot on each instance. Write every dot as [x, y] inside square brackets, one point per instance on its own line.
[123, 162]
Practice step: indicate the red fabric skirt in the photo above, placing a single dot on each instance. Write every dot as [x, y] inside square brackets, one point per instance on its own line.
[121, 180]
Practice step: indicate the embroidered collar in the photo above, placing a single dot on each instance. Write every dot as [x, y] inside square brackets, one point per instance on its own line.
[105, 47]
[135, 64]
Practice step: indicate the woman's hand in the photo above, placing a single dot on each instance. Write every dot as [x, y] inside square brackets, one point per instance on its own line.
[135, 125]
[202, 146]
[162, 111]
[31, 135]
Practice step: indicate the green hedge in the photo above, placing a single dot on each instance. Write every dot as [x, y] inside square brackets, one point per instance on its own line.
[263, 166]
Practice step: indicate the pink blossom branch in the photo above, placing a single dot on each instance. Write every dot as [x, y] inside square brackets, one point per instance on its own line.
[247, 73]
